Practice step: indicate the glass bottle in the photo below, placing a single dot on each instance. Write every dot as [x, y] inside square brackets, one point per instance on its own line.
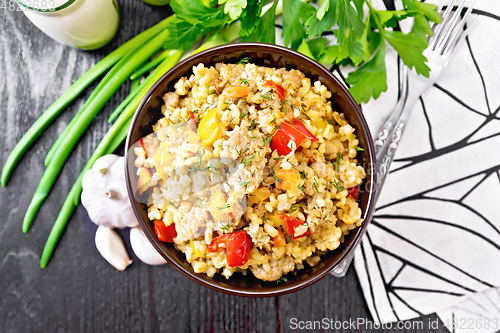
[84, 24]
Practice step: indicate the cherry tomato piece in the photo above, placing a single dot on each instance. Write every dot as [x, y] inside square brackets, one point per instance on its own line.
[142, 144]
[282, 137]
[238, 249]
[277, 88]
[238, 246]
[292, 224]
[353, 192]
[302, 127]
[214, 244]
[164, 233]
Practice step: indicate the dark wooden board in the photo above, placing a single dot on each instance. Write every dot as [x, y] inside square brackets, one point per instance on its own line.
[79, 291]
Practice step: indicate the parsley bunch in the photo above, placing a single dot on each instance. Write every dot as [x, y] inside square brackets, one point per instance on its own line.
[361, 32]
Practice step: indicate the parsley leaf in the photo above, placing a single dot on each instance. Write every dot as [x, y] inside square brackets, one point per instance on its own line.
[196, 13]
[234, 8]
[250, 16]
[359, 7]
[182, 35]
[370, 79]
[421, 27]
[295, 14]
[390, 18]
[323, 20]
[410, 48]
[316, 47]
[334, 54]
[427, 9]
[351, 29]
[265, 31]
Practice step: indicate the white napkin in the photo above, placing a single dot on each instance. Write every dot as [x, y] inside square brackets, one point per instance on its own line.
[434, 242]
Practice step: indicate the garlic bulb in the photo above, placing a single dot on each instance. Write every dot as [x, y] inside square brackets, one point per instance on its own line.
[110, 246]
[105, 195]
[143, 248]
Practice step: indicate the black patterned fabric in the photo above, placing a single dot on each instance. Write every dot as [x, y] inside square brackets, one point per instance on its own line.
[434, 242]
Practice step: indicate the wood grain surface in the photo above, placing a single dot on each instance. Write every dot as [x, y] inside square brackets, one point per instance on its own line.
[79, 291]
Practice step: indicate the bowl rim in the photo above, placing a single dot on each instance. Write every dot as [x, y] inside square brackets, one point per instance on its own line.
[370, 149]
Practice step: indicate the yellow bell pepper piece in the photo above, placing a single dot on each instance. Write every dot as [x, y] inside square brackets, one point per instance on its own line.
[209, 128]
[219, 209]
[162, 159]
[274, 220]
[320, 124]
[196, 249]
[260, 194]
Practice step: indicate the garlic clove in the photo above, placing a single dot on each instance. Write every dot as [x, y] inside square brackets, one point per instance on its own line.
[104, 193]
[143, 248]
[110, 246]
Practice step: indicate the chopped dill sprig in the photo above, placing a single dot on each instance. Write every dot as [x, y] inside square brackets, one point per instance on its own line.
[337, 163]
[267, 95]
[337, 185]
[315, 184]
[179, 123]
[266, 140]
[247, 162]
[276, 178]
[244, 60]
[243, 184]
[196, 167]
[296, 207]
[282, 279]
[203, 203]
[243, 114]
[224, 207]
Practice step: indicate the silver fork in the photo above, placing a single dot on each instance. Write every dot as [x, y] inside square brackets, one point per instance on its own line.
[447, 35]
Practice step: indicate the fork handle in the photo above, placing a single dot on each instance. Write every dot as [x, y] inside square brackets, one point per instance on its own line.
[394, 127]
[388, 128]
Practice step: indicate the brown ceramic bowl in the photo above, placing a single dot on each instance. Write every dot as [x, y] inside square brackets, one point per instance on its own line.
[149, 113]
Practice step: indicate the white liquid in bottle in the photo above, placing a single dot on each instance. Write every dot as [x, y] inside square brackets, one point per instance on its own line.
[84, 24]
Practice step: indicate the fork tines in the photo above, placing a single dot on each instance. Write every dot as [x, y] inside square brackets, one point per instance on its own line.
[454, 26]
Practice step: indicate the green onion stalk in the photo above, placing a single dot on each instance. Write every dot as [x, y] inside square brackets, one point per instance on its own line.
[117, 76]
[133, 56]
[118, 132]
[113, 138]
[70, 95]
[129, 60]
[134, 91]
